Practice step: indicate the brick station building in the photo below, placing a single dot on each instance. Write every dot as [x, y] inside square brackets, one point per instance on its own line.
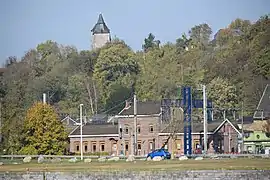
[115, 136]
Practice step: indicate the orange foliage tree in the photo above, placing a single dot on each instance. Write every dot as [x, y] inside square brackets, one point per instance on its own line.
[43, 131]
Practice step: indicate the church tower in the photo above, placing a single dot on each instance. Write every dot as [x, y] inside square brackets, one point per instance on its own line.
[100, 33]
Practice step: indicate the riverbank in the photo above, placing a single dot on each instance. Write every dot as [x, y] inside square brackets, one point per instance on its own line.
[139, 165]
[142, 175]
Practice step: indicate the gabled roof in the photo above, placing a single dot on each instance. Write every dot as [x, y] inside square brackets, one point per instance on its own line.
[264, 104]
[235, 127]
[100, 27]
[143, 108]
[197, 127]
[95, 130]
[69, 124]
[68, 120]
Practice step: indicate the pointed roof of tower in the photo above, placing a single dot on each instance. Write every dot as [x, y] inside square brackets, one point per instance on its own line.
[100, 27]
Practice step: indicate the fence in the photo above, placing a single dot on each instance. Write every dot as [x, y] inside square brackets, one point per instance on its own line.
[140, 157]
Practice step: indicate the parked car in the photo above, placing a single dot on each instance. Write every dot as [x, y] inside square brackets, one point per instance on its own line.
[160, 152]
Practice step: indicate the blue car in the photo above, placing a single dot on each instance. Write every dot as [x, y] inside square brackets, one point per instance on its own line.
[160, 152]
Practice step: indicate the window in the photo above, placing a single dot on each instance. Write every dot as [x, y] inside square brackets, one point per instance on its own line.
[94, 148]
[196, 143]
[139, 146]
[178, 146]
[126, 129]
[151, 146]
[85, 144]
[126, 147]
[76, 146]
[151, 128]
[102, 147]
[139, 129]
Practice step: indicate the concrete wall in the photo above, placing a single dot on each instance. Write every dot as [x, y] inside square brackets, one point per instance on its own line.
[157, 175]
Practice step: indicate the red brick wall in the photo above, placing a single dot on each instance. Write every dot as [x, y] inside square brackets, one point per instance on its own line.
[230, 138]
[101, 144]
[147, 137]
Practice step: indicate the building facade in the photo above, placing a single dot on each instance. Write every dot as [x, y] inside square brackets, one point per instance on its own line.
[117, 137]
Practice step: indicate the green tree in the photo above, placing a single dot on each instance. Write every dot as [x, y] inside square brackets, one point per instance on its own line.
[183, 43]
[150, 43]
[160, 73]
[259, 36]
[200, 35]
[116, 66]
[43, 131]
[222, 93]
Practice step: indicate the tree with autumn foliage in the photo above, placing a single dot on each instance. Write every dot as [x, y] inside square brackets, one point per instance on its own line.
[43, 131]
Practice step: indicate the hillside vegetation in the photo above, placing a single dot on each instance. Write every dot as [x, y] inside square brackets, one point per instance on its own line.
[235, 66]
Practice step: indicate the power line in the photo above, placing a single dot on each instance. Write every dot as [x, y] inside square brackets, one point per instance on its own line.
[117, 105]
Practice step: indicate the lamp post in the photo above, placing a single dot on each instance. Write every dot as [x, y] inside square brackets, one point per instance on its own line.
[205, 122]
[135, 125]
[205, 118]
[0, 119]
[81, 105]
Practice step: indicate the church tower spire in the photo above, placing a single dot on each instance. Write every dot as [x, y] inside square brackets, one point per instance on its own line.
[100, 33]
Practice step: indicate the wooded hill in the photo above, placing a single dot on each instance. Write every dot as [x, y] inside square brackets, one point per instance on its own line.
[235, 66]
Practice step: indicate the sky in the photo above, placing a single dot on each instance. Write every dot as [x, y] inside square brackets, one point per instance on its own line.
[26, 23]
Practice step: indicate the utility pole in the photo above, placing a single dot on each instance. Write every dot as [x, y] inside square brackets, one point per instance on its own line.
[205, 119]
[44, 98]
[81, 125]
[0, 119]
[135, 124]
[242, 128]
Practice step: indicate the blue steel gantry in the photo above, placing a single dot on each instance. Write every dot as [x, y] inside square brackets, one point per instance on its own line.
[187, 103]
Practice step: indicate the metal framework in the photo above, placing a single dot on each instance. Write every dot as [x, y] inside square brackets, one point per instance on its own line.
[187, 106]
[187, 103]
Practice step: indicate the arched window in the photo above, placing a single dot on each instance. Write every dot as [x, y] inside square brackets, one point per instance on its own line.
[126, 129]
